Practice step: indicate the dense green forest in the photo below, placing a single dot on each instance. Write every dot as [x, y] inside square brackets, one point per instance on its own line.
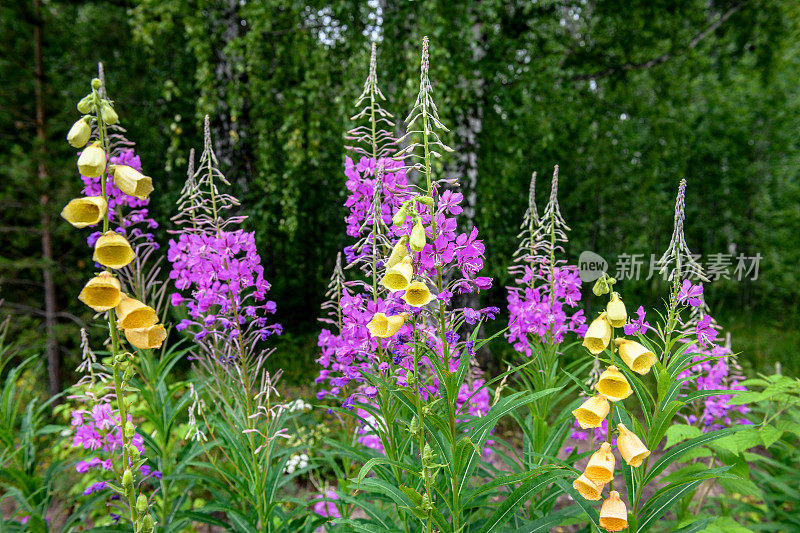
[627, 97]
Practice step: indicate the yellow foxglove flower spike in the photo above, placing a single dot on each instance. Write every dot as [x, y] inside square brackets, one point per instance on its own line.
[615, 311]
[133, 314]
[417, 294]
[631, 447]
[82, 212]
[600, 468]
[399, 252]
[92, 161]
[79, 134]
[102, 292]
[637, 357]
[613, 513]
[399, 276]
[598, 335]
[147, 338]
[113, 250]
[592, 412]
[418, 236]
[132, 182]
[613, 385]
[588, 488]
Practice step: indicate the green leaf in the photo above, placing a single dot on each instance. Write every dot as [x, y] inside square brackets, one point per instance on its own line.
[679, 433]
[674, 453]
[517, 498]
[769, 434]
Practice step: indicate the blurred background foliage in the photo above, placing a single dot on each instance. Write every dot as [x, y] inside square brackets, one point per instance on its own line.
[628, 97]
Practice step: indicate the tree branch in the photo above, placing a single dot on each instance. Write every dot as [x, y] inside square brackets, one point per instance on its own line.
[711, 28]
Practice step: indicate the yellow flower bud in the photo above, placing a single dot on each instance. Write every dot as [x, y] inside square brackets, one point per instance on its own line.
[418, 237]
[399, 276]
[588, 488]
[132, 182]
[417, 294]
[113, 250]
[108, 114]
[133, 314]
[399, 252]
[400, 217]
[79, 134]
[147, 338]
[82, 212]
[613, 513]
[637, 357]
[85, 104]
[613, 385]
[592, 412]
[598, 335]
[383, 326]
[631, 447]
[615, 311]
[102, 292]
[92, 161]
[600, 468]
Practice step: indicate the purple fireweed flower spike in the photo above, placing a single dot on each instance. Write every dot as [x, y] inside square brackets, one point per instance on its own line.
[677, 262]
[546, 288]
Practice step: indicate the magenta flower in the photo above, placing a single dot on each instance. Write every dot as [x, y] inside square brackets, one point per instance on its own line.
[706, 335]
[639, 325]
[690, 294]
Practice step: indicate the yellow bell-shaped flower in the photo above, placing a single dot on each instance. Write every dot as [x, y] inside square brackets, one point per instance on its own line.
[399, 252]
[637, 357]
[147, 338]
[598, 335]
[630, 446]
[383, 326]
[399, 276]
[613, 513]
[592, 412]
[82, 212]
[588, 488]
[615, 311]
[102, 292]
[79, 134]
[92, 161]
[600, 468]
[113, 250]
[417, 241]
[132, 182]
[417, 294]
[613, 385]
[133, 314]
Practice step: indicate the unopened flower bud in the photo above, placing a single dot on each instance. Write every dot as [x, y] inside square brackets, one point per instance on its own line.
[600, 286]
[92, 161]
[615, 311]
[147, 524]
[96, 83]
[426, 505]
[129, 430]
[141, 503]
[127, 479]
[85, 105]
[427, 200]
[128, 373]
[427, 454]
[133, 453]
[417, 239]
[108, 114]
[400, 217]
[414, 426]
[79, 134]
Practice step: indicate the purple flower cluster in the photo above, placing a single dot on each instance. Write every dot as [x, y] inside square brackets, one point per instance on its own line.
[99, 431]
[545, 310]
[714, 412]
[135, 222]
[225, 280]
[362, 191]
